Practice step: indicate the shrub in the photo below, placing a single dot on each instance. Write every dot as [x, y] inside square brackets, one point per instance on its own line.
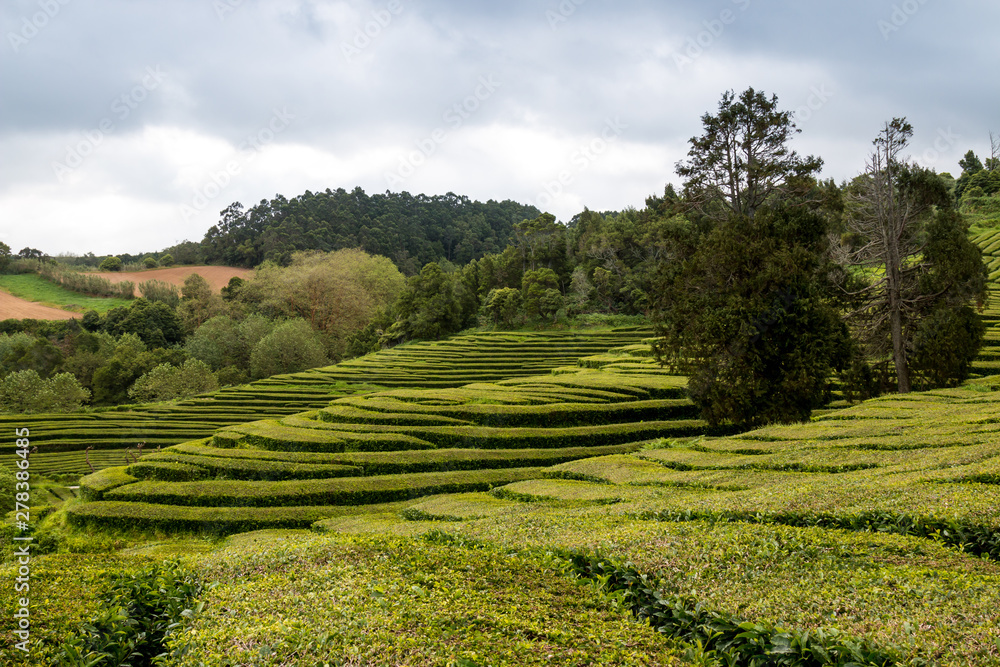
[149, 263]
[111, 264]
[166, 382]
[292, 347]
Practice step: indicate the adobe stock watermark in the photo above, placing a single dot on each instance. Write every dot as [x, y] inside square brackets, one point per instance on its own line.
[816, 100]
[34, 24]
[696, 46]
[121, 108]
[945, 141]
[223, 8]
[581, 160]
[565, 9]
[247, 150]
[900, 16]
[454, 117]
[370, 31]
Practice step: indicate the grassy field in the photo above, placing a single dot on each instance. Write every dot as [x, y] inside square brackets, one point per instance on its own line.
[32, 287]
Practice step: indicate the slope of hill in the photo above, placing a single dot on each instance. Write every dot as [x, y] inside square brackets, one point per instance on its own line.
[482, 357]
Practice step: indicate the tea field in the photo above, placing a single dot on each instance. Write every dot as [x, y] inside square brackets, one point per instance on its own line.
[522, 508]
[482, 357]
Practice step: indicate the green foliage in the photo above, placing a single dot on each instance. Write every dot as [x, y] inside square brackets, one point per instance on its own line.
[129, 361]
[149, 263]
[7, 484]
[111, 264]
[198, 303]
[156, 324]
[945, 344]
[502, 306]
[337, 293]
[167, 260]
[747, 320]
[742, 161]
[158, 291]
[293, 346]
[138, 615]
[721, 636]
[433, 305]
[26, 391]
[443, 600]
[410, 230]
[166, 382]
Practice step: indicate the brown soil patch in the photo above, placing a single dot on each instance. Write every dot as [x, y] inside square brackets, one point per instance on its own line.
[18, 309]
[217, 276]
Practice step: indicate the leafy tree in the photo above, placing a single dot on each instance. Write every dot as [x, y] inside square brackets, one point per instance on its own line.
[156, 324]
[111, 264]
[27, 391]
[166, 382]
[742, 160]
[292, 347]
[746, 319]
[550, 303]
[5, 256]
[232, 290]
[159, 291]
[911, 260]
[534, 285]
[433, 305]
[130, 361]
[198, 303]
[502, 306]
[218, 343]
[149, 263]
[167, 260]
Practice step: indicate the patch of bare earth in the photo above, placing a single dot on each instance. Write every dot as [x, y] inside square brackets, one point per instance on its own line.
[13, 308]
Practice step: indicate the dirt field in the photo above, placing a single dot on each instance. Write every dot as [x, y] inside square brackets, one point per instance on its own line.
[13, 308]
[217, 276]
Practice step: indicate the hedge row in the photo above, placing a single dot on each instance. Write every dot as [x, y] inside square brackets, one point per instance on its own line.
[216, 520]
[243, 468]
[274, 435]
[971, 537]
[507, 415]
[337, 491]
[93, 487]
[484, 437]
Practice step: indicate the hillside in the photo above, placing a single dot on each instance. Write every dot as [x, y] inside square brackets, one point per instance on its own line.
[410, 230]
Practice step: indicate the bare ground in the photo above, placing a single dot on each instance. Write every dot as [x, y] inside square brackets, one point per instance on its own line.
[13, 308]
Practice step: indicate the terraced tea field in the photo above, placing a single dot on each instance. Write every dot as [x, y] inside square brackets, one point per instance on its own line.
[483, 357]
[988, 362]
[873, 530]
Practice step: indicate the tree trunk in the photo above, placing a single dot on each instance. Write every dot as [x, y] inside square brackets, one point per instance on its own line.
[896, 324]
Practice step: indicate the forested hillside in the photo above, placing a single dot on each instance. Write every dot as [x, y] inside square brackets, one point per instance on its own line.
[410, 230]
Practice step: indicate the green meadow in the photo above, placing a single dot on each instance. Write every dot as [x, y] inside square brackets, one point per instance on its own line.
[32, 287]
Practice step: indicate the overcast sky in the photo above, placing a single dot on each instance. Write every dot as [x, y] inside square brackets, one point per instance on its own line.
[128, 125]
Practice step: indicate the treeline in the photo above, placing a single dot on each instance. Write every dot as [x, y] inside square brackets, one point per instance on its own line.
[283, 320]
[410, 230]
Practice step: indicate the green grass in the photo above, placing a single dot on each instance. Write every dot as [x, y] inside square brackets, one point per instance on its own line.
[32, 287]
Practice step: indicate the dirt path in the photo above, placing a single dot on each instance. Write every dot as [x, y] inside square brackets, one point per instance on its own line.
[217, 276]
[13, 308]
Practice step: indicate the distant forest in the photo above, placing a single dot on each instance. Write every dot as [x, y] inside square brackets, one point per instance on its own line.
[410, 230]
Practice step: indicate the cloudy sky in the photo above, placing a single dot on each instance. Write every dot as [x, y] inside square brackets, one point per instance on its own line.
[128, 125]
